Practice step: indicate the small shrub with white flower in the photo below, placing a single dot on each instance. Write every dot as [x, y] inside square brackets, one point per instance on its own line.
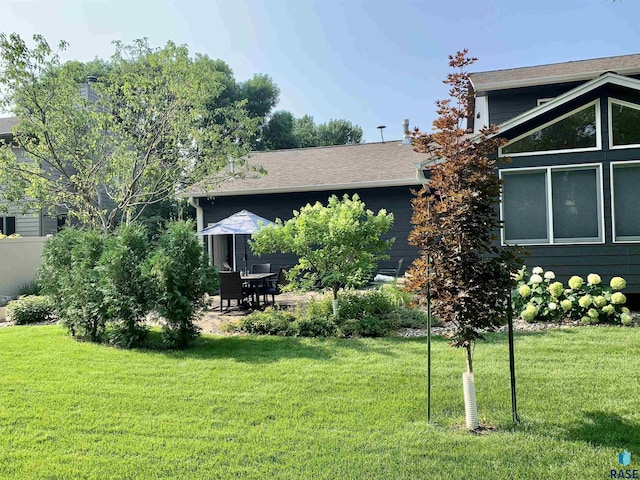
[540, 298]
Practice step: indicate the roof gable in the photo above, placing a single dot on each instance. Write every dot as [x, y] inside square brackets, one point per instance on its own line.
[607, 78]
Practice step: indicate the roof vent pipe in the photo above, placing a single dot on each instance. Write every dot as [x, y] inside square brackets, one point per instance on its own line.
[406, 135]
[92, 79]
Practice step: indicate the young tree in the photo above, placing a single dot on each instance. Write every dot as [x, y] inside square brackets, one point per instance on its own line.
[456, 221]
[150, 128]
[337, 246]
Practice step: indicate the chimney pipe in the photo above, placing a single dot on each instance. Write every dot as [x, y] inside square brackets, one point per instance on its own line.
[406, 135]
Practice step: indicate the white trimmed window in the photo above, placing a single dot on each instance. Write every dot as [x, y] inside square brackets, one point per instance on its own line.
[552, 205]
[624, 118]
[625, 203]
[576, 131]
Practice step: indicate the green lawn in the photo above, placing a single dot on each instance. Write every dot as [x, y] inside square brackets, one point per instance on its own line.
[249, 407]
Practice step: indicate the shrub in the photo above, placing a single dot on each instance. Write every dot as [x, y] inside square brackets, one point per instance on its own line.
[271, 321]
[30, 288]
[30, 309]
[182, 275]
[315, 327]
[409, 317]
[588, 302]
[397, 296]
[69, 274]
[128, 292]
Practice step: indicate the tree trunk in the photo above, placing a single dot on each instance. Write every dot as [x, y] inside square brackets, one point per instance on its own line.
[335, 301]
[469, 358]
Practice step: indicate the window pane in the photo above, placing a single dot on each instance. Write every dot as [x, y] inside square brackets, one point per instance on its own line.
[575, 204]
[524, 206]
[624, 124]
[575, 131]
[626, 202]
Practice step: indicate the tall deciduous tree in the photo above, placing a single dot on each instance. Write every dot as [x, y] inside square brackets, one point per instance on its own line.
[150, 128]
[456, 220]
[337, 245]
[282, 130]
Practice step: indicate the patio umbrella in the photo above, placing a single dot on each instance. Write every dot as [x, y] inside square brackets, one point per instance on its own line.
[242, 223]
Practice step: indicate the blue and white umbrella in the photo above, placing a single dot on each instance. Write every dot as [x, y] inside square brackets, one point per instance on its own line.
[242, 223]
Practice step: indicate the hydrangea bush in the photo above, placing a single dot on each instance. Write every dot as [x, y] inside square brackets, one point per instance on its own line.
[539, 297]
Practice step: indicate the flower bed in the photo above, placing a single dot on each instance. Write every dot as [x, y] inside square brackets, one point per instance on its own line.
[539, 297]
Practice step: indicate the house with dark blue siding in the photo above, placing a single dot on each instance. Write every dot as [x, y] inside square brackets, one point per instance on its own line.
[571, 164]
[382, 174]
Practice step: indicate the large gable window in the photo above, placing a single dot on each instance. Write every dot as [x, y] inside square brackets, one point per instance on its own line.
[625, 178]
[552, 205]
[624, 118]
[576, 131]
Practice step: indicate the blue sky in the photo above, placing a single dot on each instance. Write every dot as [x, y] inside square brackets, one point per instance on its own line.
[372, 62]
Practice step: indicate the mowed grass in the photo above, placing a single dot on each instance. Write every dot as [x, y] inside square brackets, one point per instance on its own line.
[269, 408]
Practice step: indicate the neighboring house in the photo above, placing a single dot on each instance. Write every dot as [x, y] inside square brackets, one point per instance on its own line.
[571, 192]
[382, 174]
[34, 223]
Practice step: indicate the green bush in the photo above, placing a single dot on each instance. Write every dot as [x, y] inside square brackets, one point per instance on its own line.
[373, 313]
[315, 327]
[407, 317]
[271, 321]
[128, 291]
[30, 309]
[397, 295]
[30, 288]
[70, 275]
[182, 275]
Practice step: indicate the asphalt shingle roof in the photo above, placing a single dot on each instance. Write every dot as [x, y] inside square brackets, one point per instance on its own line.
[6, 124]
[555, 73]
[324, 168]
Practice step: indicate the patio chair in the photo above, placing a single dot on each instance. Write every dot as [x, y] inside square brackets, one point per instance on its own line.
[261, 268]
[392, 272]
[232, 288]
[274, 287]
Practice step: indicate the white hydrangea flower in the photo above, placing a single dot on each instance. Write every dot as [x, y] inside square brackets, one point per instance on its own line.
[553, 305]
[535, 278]
[537, 270]
[549, 275]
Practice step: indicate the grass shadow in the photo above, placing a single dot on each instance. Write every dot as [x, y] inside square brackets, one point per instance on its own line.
[606, 429]
[242, 348]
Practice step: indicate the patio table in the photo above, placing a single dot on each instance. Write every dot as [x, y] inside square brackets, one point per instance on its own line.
[256, 280]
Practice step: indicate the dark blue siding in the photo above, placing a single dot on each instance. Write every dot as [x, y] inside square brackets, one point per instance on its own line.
[394, 199]
[608, 259]
[507, 104]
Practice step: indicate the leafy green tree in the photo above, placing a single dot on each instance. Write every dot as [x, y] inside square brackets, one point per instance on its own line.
[261, 94]
[153, 128]
[278, 131]
[456, 220]
[282, 130]
[305, 132]
[338, 132]
[338, 245]
[182, 275]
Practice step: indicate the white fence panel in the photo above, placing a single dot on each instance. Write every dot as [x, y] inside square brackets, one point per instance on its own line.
[19, 260]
